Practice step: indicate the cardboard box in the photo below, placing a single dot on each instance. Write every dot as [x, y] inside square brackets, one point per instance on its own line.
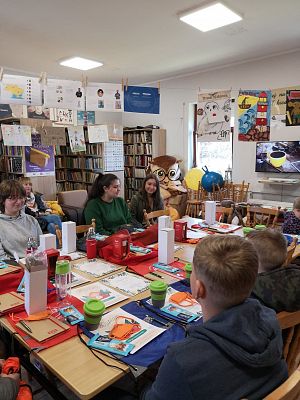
[166, 246]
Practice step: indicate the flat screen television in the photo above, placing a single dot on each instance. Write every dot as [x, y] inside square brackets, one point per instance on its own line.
[278, 157]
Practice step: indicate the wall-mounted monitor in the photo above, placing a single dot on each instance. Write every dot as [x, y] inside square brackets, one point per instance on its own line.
[278, 157]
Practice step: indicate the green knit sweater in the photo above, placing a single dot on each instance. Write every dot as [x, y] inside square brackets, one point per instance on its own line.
[109, 216]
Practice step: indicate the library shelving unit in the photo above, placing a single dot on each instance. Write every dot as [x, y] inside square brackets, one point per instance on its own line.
[11, 157]
[141, 145]
[77, 170]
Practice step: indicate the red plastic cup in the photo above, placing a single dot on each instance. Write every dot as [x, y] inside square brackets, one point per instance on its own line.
[91, 248]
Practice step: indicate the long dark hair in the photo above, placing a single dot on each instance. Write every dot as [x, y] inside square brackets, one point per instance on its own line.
[155, 195]
[102, 180]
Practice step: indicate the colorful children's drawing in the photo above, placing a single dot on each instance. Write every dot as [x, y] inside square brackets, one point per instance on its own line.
[254, 113]
[293, 107]
[20, 90]
[76, 137]
[16, 135]
[214, 112]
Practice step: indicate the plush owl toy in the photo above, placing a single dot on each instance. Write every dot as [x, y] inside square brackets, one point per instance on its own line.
[168, 173]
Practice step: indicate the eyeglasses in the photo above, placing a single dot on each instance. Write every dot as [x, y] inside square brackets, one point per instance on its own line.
[15, 198]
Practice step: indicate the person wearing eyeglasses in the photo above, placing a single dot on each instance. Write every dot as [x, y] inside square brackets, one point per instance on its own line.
[15, 226]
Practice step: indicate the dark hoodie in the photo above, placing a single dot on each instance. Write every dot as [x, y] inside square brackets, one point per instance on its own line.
[237, 354]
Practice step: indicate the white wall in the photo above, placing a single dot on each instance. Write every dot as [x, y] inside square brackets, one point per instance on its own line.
[178, 93]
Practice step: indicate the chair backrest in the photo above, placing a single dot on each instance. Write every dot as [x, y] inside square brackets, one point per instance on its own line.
[149, 217]
[262, 216]
[290, 251]
[79, 229]
[288, 390]
[226, 213]
[290, 325]
[74, 198]
[240, 192]
[222, 193]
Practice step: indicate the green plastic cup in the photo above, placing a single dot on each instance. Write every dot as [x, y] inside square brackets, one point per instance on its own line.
[158, 291]
[260, 227]
[188, 270]
[247, 230]
[93, 311]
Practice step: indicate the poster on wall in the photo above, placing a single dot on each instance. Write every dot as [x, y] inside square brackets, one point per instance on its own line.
[254, 114]
[38, 112]
[85, 118]
[20, 90]
[292, 107]
[64, 94]
[279, 100]
[16, 135]
[64, 116]
[141, 99]
[213, 116]
[104, 97]
[76, 138]
[52, 135]
[39, 159]
[98, 133]
[114, 156]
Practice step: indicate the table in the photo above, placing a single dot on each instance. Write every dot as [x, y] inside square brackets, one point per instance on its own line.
[271, 204]
[74, 363]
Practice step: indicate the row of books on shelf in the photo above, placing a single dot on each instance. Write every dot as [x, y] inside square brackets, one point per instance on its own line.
[139, 173]
[82, 163]
[63, 186]
[91, 149]
[11, 150]
[129, 193]
[138, 148]
[142, 161]
[133, 137]
[80, 176]
[13, 164]
[132, 183]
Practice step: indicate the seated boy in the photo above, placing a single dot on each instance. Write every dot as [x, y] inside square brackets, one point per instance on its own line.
[291, 223]
[276, 286]
[237, 352]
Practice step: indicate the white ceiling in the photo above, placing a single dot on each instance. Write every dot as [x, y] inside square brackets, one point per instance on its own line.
[142, 40]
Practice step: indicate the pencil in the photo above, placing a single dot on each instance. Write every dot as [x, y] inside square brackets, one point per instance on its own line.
[25, 326]
[154, 274]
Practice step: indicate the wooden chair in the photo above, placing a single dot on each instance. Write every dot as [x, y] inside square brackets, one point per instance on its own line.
[288, 390]
[226, 213]
[290, 252]
[262, 216]
[240, 192]
[149, 217]
[195, 198]
[79, 229]
[290, 325]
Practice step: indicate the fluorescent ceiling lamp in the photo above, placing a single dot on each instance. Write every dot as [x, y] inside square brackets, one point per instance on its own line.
[210, 17]
[80, 63]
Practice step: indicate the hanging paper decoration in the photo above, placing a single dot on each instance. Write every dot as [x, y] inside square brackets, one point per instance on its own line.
[214, 112]
[293, 107]
[76, 138]
[64, 94]
[20, 90]
[254, 112]
[104, 97]
[16, 135]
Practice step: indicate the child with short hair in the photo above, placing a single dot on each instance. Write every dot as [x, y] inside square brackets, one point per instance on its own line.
[291, 223]
[276, 286]
[237, 352]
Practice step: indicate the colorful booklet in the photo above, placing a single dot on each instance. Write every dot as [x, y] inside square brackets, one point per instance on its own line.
[96, 290]
[71, 314]
[97, 268]
[128, 283]
[132, 343]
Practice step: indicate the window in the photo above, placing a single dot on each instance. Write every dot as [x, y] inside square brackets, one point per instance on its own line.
[217, 156]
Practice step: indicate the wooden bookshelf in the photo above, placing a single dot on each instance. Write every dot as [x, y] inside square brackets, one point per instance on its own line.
[141, 145]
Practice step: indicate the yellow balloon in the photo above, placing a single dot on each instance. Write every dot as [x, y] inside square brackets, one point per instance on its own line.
[193, 177]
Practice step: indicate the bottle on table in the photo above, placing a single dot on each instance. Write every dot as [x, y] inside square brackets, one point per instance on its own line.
[62, 279]
[31, 245]
[91, 244]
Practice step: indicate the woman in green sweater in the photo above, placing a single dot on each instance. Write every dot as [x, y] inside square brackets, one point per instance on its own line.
[109, 210]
